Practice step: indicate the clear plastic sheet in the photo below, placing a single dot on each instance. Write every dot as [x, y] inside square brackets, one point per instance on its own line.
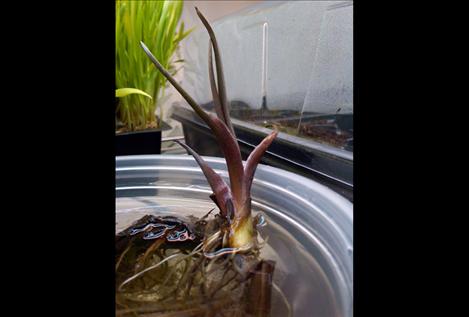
[288, 65]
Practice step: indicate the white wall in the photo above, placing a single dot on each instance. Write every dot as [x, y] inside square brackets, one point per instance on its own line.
[292, 51]
[212, 10]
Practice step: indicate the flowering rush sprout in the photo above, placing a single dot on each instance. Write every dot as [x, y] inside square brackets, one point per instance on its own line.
[234, 201]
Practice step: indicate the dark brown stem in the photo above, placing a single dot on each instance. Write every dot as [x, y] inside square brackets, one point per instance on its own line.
[260, 290]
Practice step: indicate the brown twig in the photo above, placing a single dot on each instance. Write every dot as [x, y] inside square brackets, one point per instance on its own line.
[260, 290]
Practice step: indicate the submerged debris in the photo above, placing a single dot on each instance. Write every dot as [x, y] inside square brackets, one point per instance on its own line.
[166, 266]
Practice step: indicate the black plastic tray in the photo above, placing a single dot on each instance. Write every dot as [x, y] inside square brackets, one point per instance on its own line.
[326, 164]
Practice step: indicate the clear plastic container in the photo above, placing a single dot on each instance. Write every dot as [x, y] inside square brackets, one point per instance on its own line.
[287, 64]
[310, 227]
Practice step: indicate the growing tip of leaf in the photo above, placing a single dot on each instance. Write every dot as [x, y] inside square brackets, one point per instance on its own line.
[178, 87]
[144, 46]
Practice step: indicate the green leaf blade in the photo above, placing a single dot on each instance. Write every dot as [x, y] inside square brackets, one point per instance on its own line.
[123, 92]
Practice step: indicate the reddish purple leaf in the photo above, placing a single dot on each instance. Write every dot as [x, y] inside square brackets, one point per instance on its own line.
[197, 108]
[219, 187]
[220, 76]
[213, 86]
[254, 159]
[230, 148]
[225, 138]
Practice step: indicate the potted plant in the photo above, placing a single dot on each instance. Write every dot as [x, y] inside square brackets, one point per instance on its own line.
[214, 265]
[140, 89]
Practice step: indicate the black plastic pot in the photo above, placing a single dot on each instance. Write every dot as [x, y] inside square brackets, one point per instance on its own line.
[327, 165]
[140, 142]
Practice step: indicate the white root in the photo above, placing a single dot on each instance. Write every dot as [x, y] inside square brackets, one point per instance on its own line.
[196, 250]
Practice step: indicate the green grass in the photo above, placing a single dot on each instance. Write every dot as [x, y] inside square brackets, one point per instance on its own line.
[157, 24]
